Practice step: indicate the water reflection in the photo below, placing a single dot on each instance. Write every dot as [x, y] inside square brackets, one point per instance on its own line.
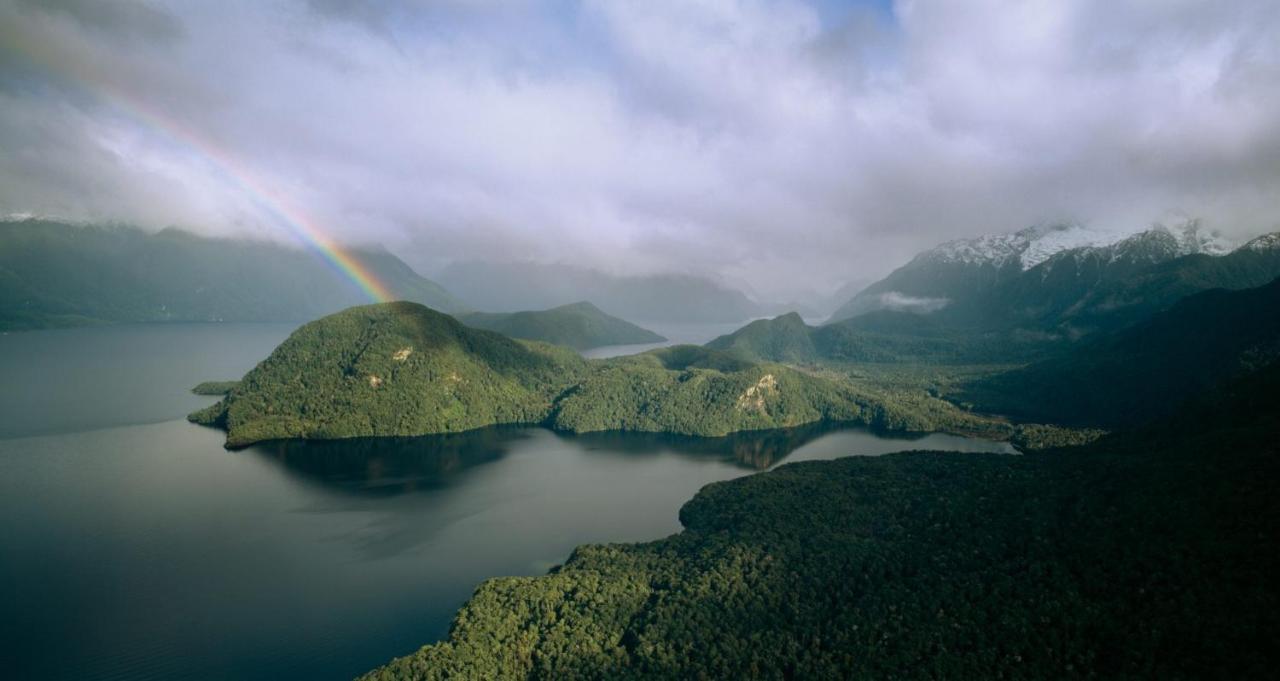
[398, 465]
[391, 465]
[755, 450]
[511, 483]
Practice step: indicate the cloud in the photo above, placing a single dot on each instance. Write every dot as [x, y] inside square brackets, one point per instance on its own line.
[778, 145]
[902, 302]
[113, 20]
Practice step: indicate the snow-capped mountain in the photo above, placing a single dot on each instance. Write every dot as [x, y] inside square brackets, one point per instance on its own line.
[1266, 242]
[1155, 245]
[1031, 246]
[1027, 247]
[1193, 238]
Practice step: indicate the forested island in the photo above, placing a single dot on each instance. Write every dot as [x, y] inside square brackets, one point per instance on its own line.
[398, 369]
[404, 369]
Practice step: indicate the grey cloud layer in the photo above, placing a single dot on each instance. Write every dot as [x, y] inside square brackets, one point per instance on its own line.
[768, 143]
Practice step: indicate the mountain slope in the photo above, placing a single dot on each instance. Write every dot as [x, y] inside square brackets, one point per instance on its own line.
[514, 286]
[1148, 555]
[966, 267]
[1147, 370]
[581, 326]
[1126, 297]
[56, 274]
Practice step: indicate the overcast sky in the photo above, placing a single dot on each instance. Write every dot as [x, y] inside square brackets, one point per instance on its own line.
[778, 145]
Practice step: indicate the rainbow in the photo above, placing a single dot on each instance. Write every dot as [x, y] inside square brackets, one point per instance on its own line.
[97, 83]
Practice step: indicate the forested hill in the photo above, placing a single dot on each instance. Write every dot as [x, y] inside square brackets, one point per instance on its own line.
[57, 274]
[392, 369]
[1148, 555]
[581, 326]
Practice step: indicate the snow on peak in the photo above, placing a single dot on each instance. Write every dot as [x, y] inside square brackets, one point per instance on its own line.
[1067, 238]
[1266, 242]
[1031, 246]
[1193, 239]
[1028, 247]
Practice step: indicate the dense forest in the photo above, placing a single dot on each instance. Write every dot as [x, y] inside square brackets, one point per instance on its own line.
[1145, 555]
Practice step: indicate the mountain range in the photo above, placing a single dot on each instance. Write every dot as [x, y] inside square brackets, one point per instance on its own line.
[1065, 281]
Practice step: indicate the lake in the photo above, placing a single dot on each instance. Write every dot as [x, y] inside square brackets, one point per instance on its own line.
[135, 546]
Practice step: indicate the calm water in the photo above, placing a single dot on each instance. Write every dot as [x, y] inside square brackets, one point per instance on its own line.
[132, 545]
[676, 333]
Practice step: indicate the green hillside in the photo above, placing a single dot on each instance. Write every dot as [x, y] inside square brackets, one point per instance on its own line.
[1148, 370]
[57, 274]
[1150, 555]
[392, 369]
[581, 326]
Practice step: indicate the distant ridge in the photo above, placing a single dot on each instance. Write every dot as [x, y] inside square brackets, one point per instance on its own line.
[59, 274]
[581, 326]
[515, 286]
